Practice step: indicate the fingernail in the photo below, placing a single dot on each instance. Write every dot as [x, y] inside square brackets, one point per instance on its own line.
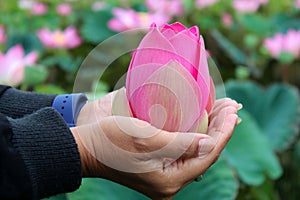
[240, 106]
[205, 146]
[239, 120]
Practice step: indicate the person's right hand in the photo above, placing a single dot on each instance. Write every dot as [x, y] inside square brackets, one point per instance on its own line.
[154, 162]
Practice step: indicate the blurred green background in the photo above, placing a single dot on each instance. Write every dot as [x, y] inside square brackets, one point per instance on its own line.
[254, 43]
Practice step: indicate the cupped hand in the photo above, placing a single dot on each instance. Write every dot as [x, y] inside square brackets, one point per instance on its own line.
[154, 162]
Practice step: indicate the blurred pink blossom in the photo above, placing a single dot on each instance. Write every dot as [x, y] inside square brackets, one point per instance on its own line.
[168, 7]
[274, 44]
[98, 5]
[227, 19]
[2, 34]
[125, 19]
[291, 42]
[68, 38]
[279, 43]
[12, 65]
[205, 3]
[248, 6]
[26, 4]
[39, 8]
[297, 4]
[64, 9]
[263, 2]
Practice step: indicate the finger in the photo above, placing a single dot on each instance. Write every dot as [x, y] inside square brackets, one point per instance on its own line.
[195, 167]
[219, 102]
[218, 120]
[221, 105]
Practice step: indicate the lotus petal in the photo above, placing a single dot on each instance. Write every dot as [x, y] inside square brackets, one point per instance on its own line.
[31, 58]
[15, 53]
[138, 75]
[203, 65]
[195, 30]
[211, 98]
[153, 40]
[169, 99]
[168, 33]
[201, 125]
[120, 104]
[191, 54]
[178, 27]
[160, 56]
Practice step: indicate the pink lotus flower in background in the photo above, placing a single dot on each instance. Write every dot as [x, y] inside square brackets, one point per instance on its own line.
[205, 3]
[68, 38]
[280, 43]
[168, 7]
[26, 4]
[248, 6]
[98, 5]
[126, 19]
[168, 83]
[274, 44]
[297, 4]
[227, 20]
[64, 9]
[2, 34]
[291, 42]
[39, 9]
[263, 2]
[12, 65]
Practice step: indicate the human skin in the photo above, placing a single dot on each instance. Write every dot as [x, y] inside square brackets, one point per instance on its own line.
[200, 150]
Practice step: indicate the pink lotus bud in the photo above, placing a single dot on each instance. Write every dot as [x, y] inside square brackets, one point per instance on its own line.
[64, 9]
[168, 82]
[12, 65]
[39, 9]
[2, 34]
[205, 3]
[68, 38]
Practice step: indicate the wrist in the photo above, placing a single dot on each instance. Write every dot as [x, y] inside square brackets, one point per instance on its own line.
[91, 167]
[69, 106]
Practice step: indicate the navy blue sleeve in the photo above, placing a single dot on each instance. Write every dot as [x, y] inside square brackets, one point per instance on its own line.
[16, 103]
[38, 156]
[14, 179]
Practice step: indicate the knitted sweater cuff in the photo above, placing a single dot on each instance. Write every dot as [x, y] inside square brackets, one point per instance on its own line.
[25, 102]
[49, 151]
